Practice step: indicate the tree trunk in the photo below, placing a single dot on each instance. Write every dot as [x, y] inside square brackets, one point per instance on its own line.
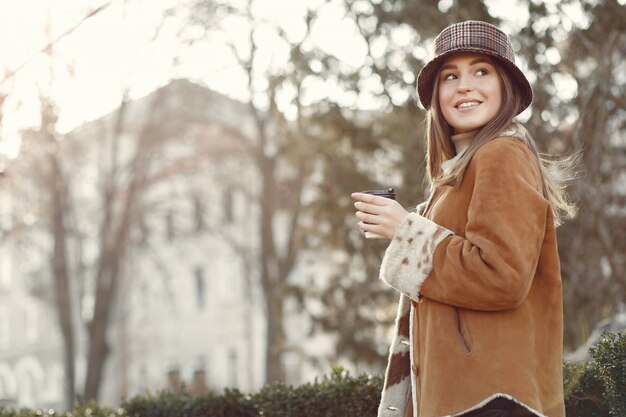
[62, 290]
[58, 192]
[114, 246]
[274, 367]
[114, 235]
[105, 295]
[271, 278]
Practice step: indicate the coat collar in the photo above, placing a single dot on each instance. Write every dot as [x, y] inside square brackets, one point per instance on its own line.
[461, 142]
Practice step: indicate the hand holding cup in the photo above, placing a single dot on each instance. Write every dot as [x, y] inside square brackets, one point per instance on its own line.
[379, 212]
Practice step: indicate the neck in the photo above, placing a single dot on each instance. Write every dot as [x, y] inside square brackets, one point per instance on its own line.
[462, 140]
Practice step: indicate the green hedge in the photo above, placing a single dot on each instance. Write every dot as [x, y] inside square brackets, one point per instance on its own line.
[594, 389]
[337, 395]
[610, 356]
[583, 391]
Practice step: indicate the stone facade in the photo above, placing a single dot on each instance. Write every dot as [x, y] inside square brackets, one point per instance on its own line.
[186, 311]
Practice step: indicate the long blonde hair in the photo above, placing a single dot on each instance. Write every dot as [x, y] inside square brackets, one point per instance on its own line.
[555, 174]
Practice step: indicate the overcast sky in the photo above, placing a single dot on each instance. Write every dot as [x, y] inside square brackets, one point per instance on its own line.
[117, 48]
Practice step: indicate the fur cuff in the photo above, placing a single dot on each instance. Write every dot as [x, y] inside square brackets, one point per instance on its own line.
[408, 259]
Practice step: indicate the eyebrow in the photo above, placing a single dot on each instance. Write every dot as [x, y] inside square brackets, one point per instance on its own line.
[474, 62]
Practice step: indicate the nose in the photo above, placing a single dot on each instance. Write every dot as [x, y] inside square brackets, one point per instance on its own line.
[464, 85]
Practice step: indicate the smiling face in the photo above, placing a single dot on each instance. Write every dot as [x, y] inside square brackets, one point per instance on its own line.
[470, 91]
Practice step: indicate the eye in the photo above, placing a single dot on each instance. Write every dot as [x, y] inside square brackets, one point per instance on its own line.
[481, 72]
[447, 77]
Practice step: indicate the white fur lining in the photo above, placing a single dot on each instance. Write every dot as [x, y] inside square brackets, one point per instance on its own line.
[421, 207]
[447, 165]
[493, 397]
[408, 259]
[514, 130]
[394, 397]
[413, 376]
[396, 394]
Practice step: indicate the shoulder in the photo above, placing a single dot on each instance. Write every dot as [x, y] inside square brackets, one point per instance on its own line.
[505, 156]
[506, 152]
[503, 147]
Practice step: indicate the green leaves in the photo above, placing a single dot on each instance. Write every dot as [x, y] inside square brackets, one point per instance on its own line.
[336, 395]
[583, 391]
[610, 358]
[594, 389]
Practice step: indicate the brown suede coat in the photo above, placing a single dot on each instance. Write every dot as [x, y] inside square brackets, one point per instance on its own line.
[485, 313]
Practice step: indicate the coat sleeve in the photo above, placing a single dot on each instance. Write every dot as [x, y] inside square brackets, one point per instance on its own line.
[492, 267]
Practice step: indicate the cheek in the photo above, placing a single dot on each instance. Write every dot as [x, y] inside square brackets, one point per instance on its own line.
[445, 94]
[445, 98]
[496, 93]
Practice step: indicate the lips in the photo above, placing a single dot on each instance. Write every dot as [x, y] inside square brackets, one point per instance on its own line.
[467, 104]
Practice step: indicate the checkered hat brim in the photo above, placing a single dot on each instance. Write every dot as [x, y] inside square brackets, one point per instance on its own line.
[473, 36]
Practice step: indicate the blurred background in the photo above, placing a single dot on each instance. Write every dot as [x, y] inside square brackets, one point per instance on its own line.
[175, 182]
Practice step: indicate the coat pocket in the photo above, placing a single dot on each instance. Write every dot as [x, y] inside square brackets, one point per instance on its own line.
[463, 330]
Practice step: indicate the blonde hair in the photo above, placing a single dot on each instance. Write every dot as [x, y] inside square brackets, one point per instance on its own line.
[555, 174]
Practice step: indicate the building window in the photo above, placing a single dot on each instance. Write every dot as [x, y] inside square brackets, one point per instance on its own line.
[143, 379]
[233, 366]
[174, 382]
[31, 328]
[5, 273]
[144, 302]
[170, 231]
[293, 367]
[200, 287]
[28, 395]
[199, 381]
[4, 391]
[4, 328]
[198, 214]
[58, 381]
[144, 231]
[234, 285]
[228, 204]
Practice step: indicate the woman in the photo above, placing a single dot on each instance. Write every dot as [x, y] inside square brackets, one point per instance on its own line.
[479, 325]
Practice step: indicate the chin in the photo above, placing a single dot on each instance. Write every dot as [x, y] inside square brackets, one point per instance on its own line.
[464, 129]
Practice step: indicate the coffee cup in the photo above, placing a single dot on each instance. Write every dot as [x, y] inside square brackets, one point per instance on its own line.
[388, 193]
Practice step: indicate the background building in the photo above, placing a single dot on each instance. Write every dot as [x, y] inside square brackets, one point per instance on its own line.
[188, 311]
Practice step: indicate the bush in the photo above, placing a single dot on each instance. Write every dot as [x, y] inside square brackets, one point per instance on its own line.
[90, 409]
[594, 389]
[337, 395]
[583, 391]
[609, 356]
[166, 404]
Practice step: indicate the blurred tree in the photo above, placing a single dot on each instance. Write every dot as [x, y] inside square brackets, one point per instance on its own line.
[310, 154]
[57, 195]
[576, 50]
[277, 154]
[126, 158]
[312, 150]
[336, 147]
[49, 177]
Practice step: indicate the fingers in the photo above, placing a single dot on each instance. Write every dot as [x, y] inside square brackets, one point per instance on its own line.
[368, 218]
[369, 227]
[375, 213]
[369, 208]
[373, 228]
[370, 203]
[370, 199]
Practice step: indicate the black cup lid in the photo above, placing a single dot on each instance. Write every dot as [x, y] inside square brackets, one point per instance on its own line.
[389, 191]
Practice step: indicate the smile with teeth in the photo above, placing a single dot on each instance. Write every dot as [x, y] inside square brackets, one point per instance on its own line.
[468, 104]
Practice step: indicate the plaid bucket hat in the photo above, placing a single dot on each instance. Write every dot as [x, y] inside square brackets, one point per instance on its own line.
[473, 36]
